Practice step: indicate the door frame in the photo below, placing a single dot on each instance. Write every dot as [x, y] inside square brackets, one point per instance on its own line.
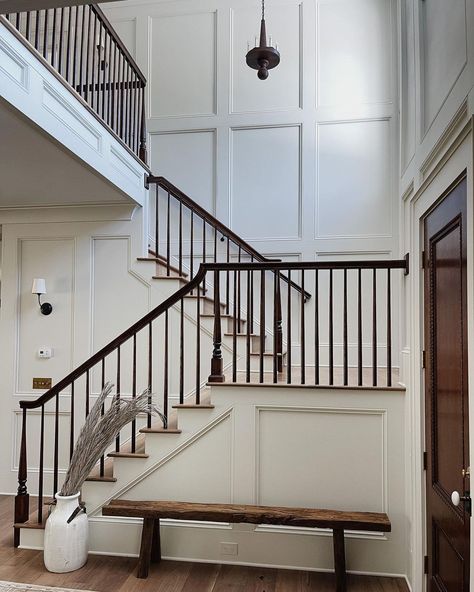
[418, 200]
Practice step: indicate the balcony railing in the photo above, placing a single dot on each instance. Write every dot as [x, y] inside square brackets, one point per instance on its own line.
[80, 44]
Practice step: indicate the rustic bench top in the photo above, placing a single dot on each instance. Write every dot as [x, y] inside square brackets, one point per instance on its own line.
[235, 513]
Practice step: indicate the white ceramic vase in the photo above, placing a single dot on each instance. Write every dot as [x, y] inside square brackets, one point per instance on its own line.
[66, 545]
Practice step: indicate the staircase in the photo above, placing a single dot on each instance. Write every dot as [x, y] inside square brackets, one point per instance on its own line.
[236, 334]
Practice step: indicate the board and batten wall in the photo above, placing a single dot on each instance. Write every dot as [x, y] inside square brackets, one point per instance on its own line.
[303, 165]
[437, 108]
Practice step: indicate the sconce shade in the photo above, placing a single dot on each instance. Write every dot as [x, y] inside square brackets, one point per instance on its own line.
[39, 286]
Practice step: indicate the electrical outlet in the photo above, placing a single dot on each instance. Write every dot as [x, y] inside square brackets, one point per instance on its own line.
[42, 383]
[229, 549]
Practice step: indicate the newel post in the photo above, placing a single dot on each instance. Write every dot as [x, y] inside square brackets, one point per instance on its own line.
[217, 373]
[142, 153]
[22, 499]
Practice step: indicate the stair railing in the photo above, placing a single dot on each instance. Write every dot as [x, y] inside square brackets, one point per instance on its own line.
[81, 45]
[185, 231]
[140, 357]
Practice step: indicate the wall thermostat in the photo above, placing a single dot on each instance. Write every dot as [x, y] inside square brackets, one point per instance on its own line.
[45, 352]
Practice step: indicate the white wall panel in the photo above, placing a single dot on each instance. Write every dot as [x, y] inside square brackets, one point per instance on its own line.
[53, 260]
[186, 44]
[282, 89]
[444, 51]
[323, 479]
[118, 298]
[127, 31]
[408, 92]
[354, 179]
[354, 42]
[265, 182]
[188, 160]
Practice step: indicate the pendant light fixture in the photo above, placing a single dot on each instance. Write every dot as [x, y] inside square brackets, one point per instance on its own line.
[263, 57]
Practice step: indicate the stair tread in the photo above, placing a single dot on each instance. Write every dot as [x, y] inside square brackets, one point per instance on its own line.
[128, 455]
[99, 479]
[191, 406]
[160, 431]
[162, 261]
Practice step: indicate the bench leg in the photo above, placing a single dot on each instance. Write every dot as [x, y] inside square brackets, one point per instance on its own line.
[156, 542]
[146, 548]
[339, 560]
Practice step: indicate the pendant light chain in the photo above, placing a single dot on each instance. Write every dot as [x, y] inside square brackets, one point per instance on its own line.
[263, 10]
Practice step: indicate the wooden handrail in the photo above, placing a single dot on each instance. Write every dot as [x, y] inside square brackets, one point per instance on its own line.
[218, 225]
[117, 342]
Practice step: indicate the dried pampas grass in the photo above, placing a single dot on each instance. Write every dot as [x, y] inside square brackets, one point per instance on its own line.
[99, 431]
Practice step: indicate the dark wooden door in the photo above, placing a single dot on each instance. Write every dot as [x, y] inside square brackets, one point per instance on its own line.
[446, 394]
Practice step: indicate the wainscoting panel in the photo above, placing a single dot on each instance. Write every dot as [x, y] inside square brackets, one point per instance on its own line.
[265, 174]
[54, 260]
[354, 51]
[353, 197]
[191, 64]
[444, 51]
[198, 150]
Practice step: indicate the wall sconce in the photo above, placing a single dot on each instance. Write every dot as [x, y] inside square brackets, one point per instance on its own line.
[39, 288]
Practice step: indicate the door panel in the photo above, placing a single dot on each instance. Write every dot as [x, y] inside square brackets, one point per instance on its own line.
[446, 395]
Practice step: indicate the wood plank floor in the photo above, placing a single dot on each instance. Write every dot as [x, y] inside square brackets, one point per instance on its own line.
[116, 574]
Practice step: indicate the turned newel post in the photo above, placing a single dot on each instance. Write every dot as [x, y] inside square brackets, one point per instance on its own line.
[217, 374]
[22, 499]
[142, 154]
[279, 324]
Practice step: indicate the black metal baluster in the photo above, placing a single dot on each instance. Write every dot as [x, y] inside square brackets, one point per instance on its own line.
[72, 419]
[56, 447]
[303, 332]
[288, 330]
[262, 325]
[316, 328]
[168, 237]
[374, 327]
[198, 346]
[180, 247]
[45, 34]
[389, 328]
[117, 439]
[166, 373]
[234, 331]
[247, 362]
[331, 329]
[345, 344]
[150, 371]
[181, 353]
[134, 392]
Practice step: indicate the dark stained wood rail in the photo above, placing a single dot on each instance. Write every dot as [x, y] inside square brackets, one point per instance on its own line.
[79, 44]
[154, 511]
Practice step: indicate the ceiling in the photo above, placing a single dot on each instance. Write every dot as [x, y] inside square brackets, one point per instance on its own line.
[23, 5]
[37, 171]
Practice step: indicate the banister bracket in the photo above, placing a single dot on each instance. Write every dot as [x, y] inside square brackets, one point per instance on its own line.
[407, 264]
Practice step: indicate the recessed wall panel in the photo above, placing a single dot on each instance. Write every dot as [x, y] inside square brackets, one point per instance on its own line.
[354, 52]
[183, 72]
[54, 261]
[265, 190]
[444, 54]
[281, 90]
[354, 179]
[327, 445]
[126, 29]
[187, 159]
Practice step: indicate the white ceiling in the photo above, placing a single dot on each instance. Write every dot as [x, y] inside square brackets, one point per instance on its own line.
[37, 171]
[21, 5]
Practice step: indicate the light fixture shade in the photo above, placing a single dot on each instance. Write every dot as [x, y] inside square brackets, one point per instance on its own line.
[39, 286]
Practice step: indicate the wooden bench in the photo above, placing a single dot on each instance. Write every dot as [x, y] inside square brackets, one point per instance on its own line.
[152, 512]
